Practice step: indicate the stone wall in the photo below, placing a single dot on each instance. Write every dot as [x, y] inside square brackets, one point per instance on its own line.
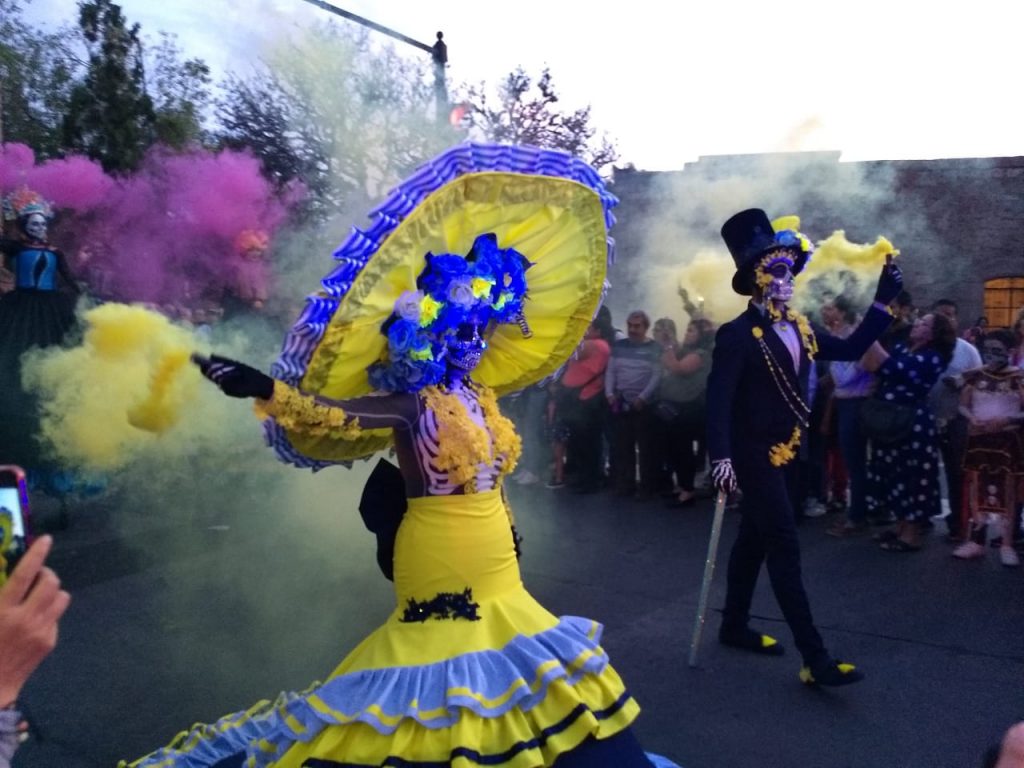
[957, 222]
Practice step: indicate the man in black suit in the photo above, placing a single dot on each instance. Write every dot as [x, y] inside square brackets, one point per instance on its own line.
[757, 409]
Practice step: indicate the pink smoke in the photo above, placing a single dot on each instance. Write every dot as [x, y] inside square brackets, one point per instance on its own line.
[15, 162]
[165, 234]
[75, 183]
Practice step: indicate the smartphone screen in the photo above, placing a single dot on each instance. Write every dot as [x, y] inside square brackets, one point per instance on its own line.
[15, 525]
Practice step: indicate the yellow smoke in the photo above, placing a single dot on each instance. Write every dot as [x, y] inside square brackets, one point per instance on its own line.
[839, 266]
[130, 374]
[708, 281]
[161, 409]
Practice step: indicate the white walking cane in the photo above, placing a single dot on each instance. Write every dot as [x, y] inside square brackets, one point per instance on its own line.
[709, 572]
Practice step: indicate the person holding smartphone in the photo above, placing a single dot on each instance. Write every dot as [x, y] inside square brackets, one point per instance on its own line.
[31, 604]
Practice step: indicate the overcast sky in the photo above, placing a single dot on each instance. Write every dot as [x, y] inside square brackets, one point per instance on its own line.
[670, 81]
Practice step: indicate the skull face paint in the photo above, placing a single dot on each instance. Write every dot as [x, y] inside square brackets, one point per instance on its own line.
[466, 349]
[994, 354]
[775, 276]
[35, 227]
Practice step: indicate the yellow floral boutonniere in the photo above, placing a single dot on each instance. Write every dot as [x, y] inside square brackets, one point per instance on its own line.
[781, 454]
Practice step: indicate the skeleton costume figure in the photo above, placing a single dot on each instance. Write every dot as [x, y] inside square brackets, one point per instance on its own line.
[480, 277]
[757, 411]
[992, 401]
[39, 312]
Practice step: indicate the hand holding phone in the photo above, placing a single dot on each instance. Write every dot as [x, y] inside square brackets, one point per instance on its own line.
[31, 604]
[15, 521]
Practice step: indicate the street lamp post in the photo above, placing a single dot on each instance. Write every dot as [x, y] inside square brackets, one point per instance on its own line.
[438, 51]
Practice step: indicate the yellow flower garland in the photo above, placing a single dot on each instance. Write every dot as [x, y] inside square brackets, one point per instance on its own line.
[507, 442]
[781, 454]
[807, 336]
[294, 410]
[463, 445]
[803, 326]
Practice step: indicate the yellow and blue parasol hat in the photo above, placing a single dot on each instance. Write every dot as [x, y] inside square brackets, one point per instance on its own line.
[548, 207]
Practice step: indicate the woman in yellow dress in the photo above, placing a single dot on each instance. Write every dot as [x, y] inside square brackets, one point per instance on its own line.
[479, 277]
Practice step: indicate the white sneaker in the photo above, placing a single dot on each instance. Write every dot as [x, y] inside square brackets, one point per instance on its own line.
[969, 550]
[814, 508]
[1008, 556]
[526, 477]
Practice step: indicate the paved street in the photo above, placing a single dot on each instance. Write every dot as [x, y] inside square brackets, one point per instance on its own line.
[191, 608]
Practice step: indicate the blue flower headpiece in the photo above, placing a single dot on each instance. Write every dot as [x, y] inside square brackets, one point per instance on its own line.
[798, 241]
[486, 286]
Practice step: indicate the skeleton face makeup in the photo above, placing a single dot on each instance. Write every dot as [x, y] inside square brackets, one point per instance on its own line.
[35, 227]
[775, 276]
[466, 349]
[995, 355]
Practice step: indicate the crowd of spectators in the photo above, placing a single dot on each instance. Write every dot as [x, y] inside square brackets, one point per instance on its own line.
[888, 439]
[627, 415]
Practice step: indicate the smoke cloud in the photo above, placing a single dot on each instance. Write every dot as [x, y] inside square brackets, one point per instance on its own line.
[164, 235]
[672, 241]
[179, 459]
[75, 183]
[113, 398]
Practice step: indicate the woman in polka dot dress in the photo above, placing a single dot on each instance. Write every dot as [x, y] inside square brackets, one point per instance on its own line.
[903, 477]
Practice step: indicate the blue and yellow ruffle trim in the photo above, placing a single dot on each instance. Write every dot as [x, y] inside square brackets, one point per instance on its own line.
[521, 706]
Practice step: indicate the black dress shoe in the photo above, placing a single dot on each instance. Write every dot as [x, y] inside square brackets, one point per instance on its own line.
[831, 673]
[748, 640]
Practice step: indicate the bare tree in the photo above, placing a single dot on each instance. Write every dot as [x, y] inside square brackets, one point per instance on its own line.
[346, 117]
[524, 111]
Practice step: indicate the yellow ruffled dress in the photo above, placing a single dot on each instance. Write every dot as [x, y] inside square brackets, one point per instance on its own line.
[469, 670]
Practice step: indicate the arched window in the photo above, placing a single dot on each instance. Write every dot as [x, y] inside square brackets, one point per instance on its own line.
[1004, 296]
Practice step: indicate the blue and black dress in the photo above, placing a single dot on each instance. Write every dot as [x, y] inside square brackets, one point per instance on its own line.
[903, 476]
[39, 312]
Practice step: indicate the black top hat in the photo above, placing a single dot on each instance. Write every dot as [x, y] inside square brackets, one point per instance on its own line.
[749, 235]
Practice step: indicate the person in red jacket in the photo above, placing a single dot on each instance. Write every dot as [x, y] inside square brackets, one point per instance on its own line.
[580, 406]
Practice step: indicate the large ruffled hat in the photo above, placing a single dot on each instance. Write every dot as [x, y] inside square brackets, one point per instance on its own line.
[517, 237]
[750, 236]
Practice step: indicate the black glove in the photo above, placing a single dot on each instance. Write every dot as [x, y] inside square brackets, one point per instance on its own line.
[889, 284]
[235, 379]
